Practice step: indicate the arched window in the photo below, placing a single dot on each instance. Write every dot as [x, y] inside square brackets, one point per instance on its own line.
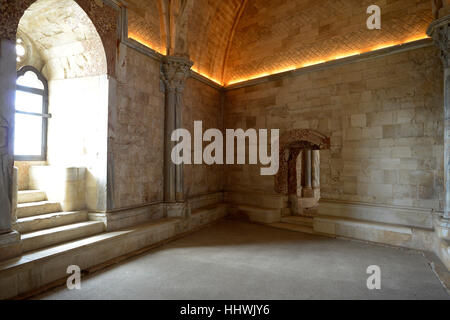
[30, 136]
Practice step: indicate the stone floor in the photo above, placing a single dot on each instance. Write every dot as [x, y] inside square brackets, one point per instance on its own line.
[237, 260]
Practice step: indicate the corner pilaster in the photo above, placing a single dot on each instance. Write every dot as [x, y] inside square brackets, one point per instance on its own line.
[439, 31]
[10, 244]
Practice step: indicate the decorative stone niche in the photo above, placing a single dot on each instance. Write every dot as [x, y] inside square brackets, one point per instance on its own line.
[299, 174]
[303, 176]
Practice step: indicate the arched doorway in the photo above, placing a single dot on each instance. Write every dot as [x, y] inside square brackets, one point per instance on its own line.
[58, 40]
[299, 173]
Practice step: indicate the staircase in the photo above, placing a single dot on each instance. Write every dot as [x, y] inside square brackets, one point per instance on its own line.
[42, 223]
[295, 223]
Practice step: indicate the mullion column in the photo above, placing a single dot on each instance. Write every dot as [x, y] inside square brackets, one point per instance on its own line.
[307, 190]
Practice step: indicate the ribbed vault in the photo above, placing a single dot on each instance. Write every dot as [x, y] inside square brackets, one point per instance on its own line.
[234, 40]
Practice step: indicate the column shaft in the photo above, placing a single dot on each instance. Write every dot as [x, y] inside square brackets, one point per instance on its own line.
[299, 172]
[316, 169]
[169, 166]
[174, 73]
[308, 169]
[7, 96]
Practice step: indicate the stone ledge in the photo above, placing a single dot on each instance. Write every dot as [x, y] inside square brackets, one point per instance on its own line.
[292, 227]
[206, 200]
[265, 200]
[443, 228]
[401, 216]
[129, 217]
[261, 215]
[444, 252]
[400, 236]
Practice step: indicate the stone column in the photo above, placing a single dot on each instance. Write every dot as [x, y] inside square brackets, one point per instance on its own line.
[9, 239]
[440, 32]
[7, 95]
[299, 166]
[316, 169]
[307, 191]
[308, 168]
[174, 73]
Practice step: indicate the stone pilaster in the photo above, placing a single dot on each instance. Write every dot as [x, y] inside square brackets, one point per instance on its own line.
[7, 93]
[9, 240]
[440, 32]
[174, 72]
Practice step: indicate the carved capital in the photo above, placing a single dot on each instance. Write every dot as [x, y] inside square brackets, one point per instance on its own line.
[439, 32]
[174, 72]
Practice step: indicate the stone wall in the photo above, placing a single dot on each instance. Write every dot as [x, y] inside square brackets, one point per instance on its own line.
[384, 118]
[136, 137]
[23, 172]
[202, 102]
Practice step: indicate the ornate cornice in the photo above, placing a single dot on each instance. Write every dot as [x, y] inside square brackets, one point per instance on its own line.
[175, 71]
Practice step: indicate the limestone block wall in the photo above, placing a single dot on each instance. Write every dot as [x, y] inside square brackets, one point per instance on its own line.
[202, 103]
[384, 117]
[23, 173]
[136, 132]
[64, 185]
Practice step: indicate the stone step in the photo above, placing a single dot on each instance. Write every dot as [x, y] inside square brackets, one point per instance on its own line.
[49, 220]
[292, 227]
[444, 252]
[30, 209]
[297, 220]
[31, 196]
[42, 267]
[261, 215]
[48, 237]
[364, 230]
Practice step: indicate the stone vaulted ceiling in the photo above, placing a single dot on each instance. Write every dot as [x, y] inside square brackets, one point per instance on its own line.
[210, 26]
[65, 39]
[234, 40]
